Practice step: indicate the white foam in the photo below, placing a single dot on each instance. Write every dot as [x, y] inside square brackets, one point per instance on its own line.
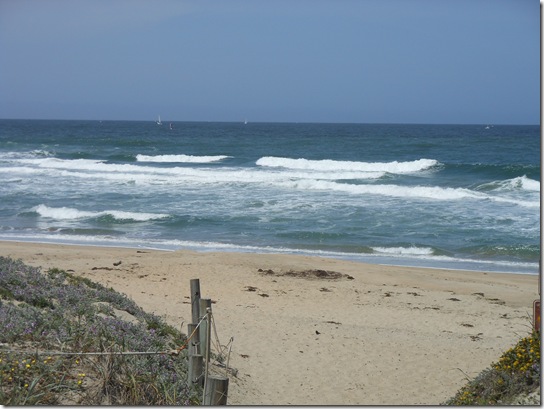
[383, 258]
[180, 158]
[146, 174]
[61, 213]
[519, 183]
[315, 177]
[421, 192]
[67, 213]
[55, 163]
[334, 165]
[405, 251]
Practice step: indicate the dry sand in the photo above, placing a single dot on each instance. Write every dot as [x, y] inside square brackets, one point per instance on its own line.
[387, 335]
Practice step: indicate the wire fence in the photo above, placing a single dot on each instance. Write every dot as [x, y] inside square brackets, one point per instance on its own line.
[220, 354]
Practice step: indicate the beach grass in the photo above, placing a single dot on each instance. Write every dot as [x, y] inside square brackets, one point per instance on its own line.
[50, 320]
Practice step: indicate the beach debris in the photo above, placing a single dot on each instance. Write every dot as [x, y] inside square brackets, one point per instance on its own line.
[454, 299]
[333, 322]
[480, 294]
[309, 274]
[476, 337]
[317, 332]
[495, 301]
[264, 295]
[250, 288]
[325, 290]
[414, 294]
[244, 356]
[467, 325]
[118, 263]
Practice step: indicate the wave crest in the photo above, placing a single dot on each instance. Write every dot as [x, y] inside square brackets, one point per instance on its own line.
[519, 183]
[180, 158]
[405, 251]
[334, 165]
[67, 213]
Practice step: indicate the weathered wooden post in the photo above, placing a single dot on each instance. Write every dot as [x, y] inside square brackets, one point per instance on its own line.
[205, 339]
[195, 313]
[196, 361]
[192, 347]
[195, 300]
[205, 304]
[196, 370]
[217, 391]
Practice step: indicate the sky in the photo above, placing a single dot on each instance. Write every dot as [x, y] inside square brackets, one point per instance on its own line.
[358, 61]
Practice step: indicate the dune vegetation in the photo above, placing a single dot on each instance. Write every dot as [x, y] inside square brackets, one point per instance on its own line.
[513, 379]
[51, 320]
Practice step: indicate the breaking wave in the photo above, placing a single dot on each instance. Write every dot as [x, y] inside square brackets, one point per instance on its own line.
[180, 158]
[334, 165]
[67, 213]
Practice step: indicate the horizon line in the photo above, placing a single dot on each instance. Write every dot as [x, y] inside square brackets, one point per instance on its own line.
[275, 122]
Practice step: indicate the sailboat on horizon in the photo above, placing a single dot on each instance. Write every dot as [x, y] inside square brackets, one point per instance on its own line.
[159, 121]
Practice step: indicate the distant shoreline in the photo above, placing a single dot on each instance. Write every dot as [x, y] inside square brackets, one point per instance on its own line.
[363, 259]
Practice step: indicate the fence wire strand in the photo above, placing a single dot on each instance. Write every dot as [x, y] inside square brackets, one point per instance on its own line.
[78, 353]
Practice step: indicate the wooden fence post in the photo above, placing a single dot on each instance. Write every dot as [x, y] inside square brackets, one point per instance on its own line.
[196, 370]
[205, 303]
[193, 346]
[195, 300]
[195, 313]
[205, 339]
[216, 391]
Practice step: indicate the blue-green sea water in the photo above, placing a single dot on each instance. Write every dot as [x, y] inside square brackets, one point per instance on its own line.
[463, 197]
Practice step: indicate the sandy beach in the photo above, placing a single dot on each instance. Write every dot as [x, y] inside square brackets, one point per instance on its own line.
[316, 331]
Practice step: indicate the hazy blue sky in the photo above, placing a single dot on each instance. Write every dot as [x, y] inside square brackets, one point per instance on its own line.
[393, 61]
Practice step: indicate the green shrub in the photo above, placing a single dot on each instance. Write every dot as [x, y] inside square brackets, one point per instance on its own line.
[58, 311]
[516, 373]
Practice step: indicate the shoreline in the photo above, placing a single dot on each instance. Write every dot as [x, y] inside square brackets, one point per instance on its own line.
[356, 258]
[391, 335]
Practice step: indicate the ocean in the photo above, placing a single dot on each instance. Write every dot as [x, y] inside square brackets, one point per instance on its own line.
[447, 196]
